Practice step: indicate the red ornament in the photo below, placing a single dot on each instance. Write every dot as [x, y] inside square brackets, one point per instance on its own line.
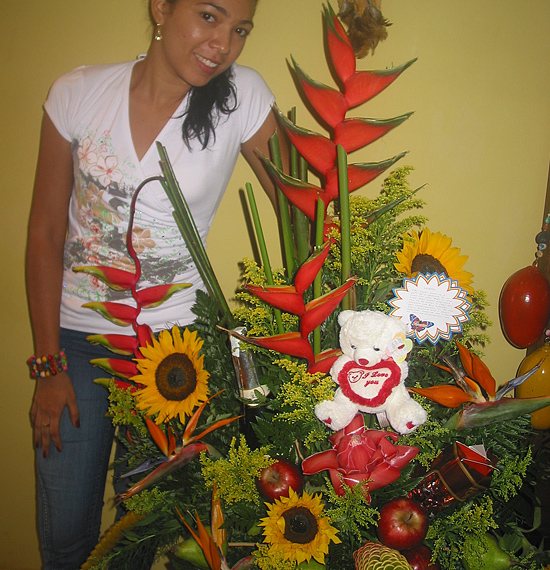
[524, 306]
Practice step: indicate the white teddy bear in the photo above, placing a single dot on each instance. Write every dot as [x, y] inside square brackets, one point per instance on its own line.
[371, 374]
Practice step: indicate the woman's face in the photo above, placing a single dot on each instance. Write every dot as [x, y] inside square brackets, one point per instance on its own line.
[201, 38]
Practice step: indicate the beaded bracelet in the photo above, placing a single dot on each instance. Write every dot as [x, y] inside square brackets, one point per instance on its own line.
[48, 365]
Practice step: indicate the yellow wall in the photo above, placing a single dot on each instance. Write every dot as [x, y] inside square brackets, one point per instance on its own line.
[479, 138]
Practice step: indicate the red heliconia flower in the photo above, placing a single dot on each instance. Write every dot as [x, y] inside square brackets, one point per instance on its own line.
[357, 133]
[291, 343]
[319, 151]
[359, 174]
[118, 313]
[155, 296]
[118, 343]
[364, 85]
[359, 454]
[116, 366]
[318, 310]
[324, 361]
[310, 268]
[116, 279]
[302, 194]
[284, 297]
[339, 46]
[330, 104]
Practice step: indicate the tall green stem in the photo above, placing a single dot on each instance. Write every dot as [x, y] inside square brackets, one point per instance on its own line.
[345, 221]
[300, 222]
[284, 211]
[318, 281]
[263, 249]
[186, 225]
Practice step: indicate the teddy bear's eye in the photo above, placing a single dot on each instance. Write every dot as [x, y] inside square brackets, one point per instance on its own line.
[376, 348]
[353, 346]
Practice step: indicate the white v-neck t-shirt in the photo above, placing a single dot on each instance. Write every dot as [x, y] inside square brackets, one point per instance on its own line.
[89, 106]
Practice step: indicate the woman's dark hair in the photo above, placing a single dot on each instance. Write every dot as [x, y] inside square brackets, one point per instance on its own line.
[204, 107]
[206, 104]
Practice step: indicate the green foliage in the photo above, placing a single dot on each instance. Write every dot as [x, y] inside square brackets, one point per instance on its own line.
[235, 475]
[455, 534]
[351, 513]
[375, 240]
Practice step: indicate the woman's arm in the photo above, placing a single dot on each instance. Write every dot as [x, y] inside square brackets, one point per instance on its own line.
[260, 141]
[44, 278]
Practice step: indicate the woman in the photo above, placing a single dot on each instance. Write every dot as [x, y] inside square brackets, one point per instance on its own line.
[97, 144]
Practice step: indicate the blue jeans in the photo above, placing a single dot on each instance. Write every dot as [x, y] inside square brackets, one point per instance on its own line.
[71, 483]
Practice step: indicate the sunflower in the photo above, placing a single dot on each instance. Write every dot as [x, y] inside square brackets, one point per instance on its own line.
[173, 374]
[432, 253]
[295, 528]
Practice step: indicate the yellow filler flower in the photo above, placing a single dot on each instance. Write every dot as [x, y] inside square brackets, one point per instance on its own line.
[295, 528]
[173, 374]
[432, 253]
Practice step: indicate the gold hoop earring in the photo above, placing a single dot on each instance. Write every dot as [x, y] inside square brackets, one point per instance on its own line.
[158, 33]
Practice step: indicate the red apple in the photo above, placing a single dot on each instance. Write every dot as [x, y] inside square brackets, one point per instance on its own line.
[419, 558]
[275, 481]
[403, 524]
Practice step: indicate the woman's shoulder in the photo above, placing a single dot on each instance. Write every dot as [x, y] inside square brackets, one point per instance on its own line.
[246, 77]
[91, 75]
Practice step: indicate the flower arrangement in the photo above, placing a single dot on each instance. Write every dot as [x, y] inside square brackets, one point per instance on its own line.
[202, 499]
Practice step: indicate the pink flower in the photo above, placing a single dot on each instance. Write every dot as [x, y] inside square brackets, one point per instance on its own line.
[105, 169]
[360, 454]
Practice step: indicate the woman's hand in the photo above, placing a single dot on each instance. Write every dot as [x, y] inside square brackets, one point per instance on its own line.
[51, 396]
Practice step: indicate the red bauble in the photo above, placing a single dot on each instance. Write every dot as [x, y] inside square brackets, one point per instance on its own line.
[524, 306]
[276, 480]
[403, 524]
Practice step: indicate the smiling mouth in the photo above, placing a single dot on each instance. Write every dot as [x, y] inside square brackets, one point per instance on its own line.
[206, 62]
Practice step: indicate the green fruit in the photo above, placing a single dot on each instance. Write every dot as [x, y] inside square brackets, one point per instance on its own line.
[375, 556]
[190, 551]
[494, 558]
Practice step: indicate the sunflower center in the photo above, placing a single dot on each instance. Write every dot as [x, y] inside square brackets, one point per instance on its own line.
[300, 525]
[424, 263]
[176, 377]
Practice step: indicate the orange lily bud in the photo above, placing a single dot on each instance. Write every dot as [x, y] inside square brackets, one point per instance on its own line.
[118, 313]
[155, 296]
[364, 85]
[476, 369]
[117, 279]
[118, 343]
[219, 534]
[448, 396]
[476, 415]
[329, 103]
[159, 437]
[355, 133]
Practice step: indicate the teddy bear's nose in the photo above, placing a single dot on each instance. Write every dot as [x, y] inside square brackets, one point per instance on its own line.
[363, 361]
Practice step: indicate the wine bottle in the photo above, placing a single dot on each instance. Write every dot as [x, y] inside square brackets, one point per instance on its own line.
[249, 387]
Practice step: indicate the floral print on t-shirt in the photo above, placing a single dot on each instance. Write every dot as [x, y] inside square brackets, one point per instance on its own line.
[103, 190]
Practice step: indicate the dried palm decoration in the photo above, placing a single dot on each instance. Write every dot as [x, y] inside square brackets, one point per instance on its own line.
[366, 24]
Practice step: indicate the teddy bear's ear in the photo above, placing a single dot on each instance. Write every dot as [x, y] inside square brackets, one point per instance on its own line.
[344, 317]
